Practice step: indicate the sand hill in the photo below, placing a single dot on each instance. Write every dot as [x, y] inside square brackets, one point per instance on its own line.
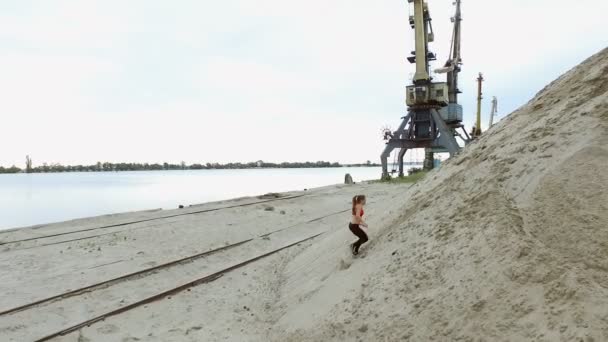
[506, 242]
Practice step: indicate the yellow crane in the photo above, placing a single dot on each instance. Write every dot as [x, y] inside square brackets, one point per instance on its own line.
[477, 128]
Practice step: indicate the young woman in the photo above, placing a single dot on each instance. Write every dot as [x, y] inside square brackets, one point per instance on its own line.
[356, 222]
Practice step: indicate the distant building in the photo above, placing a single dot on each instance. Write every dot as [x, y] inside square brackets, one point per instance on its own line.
[259, 163]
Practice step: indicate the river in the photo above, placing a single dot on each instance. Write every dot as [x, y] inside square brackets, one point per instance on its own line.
[31, 199]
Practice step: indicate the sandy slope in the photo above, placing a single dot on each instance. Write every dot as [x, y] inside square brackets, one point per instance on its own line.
[508, 241]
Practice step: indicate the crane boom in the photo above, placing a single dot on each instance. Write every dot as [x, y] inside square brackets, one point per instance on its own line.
[453, 112]
[422, 73]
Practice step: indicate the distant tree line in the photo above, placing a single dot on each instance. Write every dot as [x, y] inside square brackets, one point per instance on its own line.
[101, 167]
[368, 163]
[12, 169]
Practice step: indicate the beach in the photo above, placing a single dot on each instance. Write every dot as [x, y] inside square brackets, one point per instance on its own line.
[45, 261]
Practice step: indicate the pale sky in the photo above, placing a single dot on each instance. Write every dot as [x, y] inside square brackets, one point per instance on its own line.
[238, 80]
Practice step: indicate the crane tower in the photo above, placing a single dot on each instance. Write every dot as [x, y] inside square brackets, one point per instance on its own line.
[433, 113]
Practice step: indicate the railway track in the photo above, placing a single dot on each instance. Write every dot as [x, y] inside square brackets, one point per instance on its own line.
[140, 221]
[109, 282]
[158, 296]
[52, 308]
[157, 267]
[114, 232]
[84, 238]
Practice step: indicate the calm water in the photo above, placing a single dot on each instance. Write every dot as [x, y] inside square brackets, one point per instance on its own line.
[28, 199]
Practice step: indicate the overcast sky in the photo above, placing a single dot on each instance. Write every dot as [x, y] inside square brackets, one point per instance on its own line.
[241, 80]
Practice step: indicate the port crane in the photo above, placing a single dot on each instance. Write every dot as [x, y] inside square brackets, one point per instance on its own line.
[433, 113]
[493, 111]
[476, 131]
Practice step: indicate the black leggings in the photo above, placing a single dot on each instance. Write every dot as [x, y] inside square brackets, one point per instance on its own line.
[359, 233]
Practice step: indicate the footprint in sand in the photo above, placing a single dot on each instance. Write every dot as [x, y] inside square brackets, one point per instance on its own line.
[108, 329]
[344, 264]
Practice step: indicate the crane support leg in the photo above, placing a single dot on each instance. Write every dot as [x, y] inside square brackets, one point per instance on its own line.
[429, 159]
[446, 136]
[392, 144]
[445, 141]
[400, 159]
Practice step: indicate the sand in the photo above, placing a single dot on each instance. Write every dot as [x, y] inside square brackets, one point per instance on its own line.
[506, 242]
[77, 255]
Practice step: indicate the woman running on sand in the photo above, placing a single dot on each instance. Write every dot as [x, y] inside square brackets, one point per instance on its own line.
[356, 222]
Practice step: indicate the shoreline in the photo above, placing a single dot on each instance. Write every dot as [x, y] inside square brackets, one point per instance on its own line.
[189, 168]
[44, 200]
[118, 215]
